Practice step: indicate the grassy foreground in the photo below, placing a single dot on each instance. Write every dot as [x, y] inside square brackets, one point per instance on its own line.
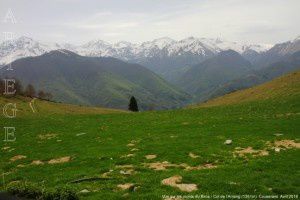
[96, 155]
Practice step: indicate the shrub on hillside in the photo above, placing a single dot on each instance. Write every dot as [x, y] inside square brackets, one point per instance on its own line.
[34, 191]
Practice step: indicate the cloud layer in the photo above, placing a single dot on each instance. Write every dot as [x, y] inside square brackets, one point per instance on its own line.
[255, 21]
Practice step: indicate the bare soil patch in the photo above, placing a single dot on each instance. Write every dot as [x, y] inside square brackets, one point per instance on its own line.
[277, 146]
[124, 166]
[243, 152]
[287, 144]
[17, 157]
[47, 136]
[128, 155]
[5, 148]
[106, 174]
[60, 160]
[200, 167]
[37, 162]
[126, 186]
[126, 169]
[175, 181]
[160, 166]
[127, 172]
[172, 198]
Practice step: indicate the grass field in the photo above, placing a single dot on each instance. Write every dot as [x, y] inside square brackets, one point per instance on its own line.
[96, 155]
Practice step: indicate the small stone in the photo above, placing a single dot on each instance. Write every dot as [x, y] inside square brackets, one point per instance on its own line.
[136, 188]
[127, 172]
[84, 191]
[80, 134]
[277, 149]
[5, 148]
[125, 186]
[134, 149]
[149, 157]
[227, 142]
[192, 155]
[128, 155]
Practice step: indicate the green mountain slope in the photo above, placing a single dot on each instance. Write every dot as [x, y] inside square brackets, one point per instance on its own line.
[28, 107]
[201, 79]
[104, 82]
[284, 87]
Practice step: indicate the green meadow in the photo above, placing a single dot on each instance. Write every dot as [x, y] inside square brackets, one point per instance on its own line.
[104, 155]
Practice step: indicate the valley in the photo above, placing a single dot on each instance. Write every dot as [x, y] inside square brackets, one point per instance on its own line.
[93, 81]
[162, 74]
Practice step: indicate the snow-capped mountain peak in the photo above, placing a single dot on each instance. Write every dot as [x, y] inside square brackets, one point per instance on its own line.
[11, 50]
[163, 42]
[297, 38]
[122, 44]
[96, 44]
[25, 46]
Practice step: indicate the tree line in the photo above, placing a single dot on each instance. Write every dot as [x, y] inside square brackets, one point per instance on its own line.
[28, 91]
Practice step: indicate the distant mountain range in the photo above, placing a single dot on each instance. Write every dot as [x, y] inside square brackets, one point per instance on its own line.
[199, 48]
[229, 72]
[197, 68]
[277, 53]
[96, 81]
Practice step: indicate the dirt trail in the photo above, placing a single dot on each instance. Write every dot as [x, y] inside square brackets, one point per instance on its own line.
[31, 104]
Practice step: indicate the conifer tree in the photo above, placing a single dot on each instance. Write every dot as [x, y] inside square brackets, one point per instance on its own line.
[133, 106]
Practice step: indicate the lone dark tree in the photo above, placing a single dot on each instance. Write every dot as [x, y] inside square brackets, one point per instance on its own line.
[30, 91]
[133, 106]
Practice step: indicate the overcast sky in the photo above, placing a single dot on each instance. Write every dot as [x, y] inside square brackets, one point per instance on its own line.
[78, 21]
